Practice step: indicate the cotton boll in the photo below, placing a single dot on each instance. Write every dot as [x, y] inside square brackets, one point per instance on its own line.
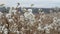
[29, 15]
[40, 28]
[14, 28]
[50, 26]
[8, 16]
[6, 25]
[22, 29]
[47, 31]
[46, 26]
[26, 15]
[39, 20]
[17, 32]
[14, 24]
[58, 22]
[24, 10]
[14, 11]
[10, 20]
[55, 24]
[29, 10]
[42, 12]
[3, 27]
[58, 19]
[5, 31]
[0, 31]
[55, 28]
[13, 17]
[43, 16]
[21, 17]
[54, 19]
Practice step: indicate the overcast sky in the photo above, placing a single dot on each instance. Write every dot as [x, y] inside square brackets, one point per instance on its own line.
[27, 3]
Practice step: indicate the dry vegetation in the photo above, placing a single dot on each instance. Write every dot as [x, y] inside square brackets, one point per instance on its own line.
[17, 23]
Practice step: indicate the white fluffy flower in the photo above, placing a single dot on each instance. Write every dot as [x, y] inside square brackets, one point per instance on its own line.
[40, 28]
[21, 17]
[54, 19]
[47, 31]
[5, 31]
[50, 26]
[10, 20]
[22, 29]
[8, 15]
[29, 10]
[17, 32]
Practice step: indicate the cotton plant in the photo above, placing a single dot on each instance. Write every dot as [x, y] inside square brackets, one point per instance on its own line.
[58, 22]
[5, 31]
[28, 21]
[42, 16]
[26, 15]
[8, 15]
[54, 19]
[2, 25]
[14, 11]
[50, 26]
[21, 17]
[29, 15]
[17, 32]
[55, 23]
[13, 28]
[47, 31]
[10, 20]
[40, 28]
[1, 28]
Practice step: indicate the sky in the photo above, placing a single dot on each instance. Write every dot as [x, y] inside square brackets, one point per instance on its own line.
[27, 3]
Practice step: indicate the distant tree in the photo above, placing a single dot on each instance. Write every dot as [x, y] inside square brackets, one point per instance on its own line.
[51, 11]
[2, 4]
[32, 5]
[56, 9]
[40, 10]
[3, 8]
[7, 9]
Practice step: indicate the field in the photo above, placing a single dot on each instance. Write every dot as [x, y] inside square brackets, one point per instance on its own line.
[29, 23]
